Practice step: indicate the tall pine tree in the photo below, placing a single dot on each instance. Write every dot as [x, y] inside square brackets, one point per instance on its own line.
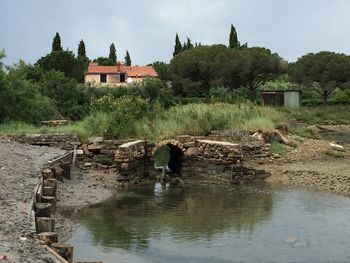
[127, 59]
[112, 53]
[178, 46]
[56, 43]
[233, 43]
[81, 49]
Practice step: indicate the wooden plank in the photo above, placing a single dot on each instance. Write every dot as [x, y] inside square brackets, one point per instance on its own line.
[57, 257]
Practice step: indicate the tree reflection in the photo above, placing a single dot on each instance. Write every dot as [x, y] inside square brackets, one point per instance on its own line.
[189, 213]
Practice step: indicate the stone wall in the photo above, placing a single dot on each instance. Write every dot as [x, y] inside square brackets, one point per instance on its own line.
[131, 161]
[63, 141]
[202, 158]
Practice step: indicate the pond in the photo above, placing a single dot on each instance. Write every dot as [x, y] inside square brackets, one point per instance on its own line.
[211, 223]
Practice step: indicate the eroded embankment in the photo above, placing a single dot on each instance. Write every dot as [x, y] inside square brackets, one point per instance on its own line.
[19, 175]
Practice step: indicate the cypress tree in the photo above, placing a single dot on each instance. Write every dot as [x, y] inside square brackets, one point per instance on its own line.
[112, 53]
[127, 59]
[233, 43]
[56, 43]
[178, 46]
[81, 49]
[189, 44]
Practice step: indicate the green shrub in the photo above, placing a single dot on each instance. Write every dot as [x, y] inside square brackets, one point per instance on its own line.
[277, 148]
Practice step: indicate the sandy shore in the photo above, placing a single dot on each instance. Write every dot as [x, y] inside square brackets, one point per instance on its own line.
[19, 174]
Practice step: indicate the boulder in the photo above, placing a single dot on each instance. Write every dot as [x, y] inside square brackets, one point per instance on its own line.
[192, 151]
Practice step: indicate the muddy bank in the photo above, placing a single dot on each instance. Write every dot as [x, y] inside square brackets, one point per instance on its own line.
[19, 174]
[308, 165]
[85, 188]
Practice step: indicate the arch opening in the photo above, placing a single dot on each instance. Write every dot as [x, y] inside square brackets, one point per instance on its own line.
[175, 163]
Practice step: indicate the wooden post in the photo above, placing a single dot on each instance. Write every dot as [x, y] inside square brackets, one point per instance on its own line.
[58, 172]
[52, 182]
[48, 173]
[48, 237]
[64, 250]
[42, 209]
[51, 200]
[66, 166]
[45, 224]
[48, 191]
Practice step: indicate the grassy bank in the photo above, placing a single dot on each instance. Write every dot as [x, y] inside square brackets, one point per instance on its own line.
[332, 114]
[193, 119]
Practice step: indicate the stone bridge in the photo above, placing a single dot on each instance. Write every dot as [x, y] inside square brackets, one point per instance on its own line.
[190, 157]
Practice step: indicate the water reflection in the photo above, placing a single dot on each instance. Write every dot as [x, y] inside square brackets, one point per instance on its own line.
[185, 213]
[201, 223]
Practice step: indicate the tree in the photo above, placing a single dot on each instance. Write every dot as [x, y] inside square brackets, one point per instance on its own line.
[112, 53]
[20, 99]
[322, 72]
[195, 71]
[103, 61]
[70, 98]
[233, 41]
[81, 50]
[258, 66]
[56, 43]
[162, 70]
[178, 46]
[127, 59]
[66, 62]
[189, 44]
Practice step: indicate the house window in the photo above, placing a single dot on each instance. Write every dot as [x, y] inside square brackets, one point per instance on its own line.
[122, 77]
[103, 78]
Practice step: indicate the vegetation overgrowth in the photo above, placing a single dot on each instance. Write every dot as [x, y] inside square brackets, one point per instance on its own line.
[202, 88]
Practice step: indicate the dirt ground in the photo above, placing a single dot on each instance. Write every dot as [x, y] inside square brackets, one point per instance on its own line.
[19, 174]
[308, 165]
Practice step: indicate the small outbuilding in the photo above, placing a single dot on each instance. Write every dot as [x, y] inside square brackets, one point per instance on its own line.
[281, 98]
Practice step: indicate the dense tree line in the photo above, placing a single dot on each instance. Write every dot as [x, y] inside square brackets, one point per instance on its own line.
[53, 87]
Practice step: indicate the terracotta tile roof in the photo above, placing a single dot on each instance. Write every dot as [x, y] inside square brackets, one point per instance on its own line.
[132, 71]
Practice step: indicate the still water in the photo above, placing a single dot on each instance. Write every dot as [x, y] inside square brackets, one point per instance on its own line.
[201, 223]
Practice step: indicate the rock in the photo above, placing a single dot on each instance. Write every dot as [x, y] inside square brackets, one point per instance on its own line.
[95, 140]
[80, 152]
[184, 138]
[88, 165]
[275, 136]
[276, 156]
[258, 136]
[192, 151]
[337, 147]
[292, 239]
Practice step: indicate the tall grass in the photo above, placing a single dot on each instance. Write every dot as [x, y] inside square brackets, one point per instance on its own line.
[200, 119]
[192, 119]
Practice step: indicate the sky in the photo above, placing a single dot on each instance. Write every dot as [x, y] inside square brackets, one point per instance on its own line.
[147, 28]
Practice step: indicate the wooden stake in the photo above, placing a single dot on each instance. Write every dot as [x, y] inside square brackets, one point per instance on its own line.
[58, 173]
[51, 200]
[64, 250]
[45, 224]
[52, 182]
[66, 166]
[48, 191]
[48, 173]
[42, 209]
[48, 237]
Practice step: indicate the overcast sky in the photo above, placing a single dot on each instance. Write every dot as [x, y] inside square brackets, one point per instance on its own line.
[147, 28]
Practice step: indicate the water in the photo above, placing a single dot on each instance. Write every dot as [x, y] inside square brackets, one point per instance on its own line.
[339, 137]
[199, 223]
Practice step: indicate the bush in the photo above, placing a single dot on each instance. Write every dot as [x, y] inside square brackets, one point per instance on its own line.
[277, 148]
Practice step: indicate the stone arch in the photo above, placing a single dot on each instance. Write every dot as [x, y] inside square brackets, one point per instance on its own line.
[177, 153]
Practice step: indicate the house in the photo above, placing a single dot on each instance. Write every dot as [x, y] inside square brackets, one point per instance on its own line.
[117, 75]
[282, 98]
